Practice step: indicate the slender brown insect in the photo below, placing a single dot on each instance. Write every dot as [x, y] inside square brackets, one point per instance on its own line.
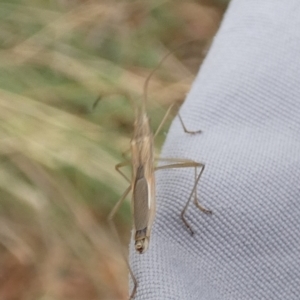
[142, 183]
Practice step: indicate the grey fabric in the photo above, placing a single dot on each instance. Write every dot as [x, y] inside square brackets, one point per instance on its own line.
[246, 99]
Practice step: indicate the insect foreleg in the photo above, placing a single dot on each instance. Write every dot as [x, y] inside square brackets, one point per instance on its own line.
[163, 121]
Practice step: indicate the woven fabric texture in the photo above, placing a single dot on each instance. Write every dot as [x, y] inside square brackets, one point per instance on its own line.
[246, 99]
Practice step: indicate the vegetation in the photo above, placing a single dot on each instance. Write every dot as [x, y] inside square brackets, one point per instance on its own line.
[57, 152]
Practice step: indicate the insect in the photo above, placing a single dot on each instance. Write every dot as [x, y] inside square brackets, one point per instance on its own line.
[142, 181]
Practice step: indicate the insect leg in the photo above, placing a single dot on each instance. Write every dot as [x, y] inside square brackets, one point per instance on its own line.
[185, 163]
[185, 129]
[181, 122]
[115, 232]
[120, 165]
[163, 120]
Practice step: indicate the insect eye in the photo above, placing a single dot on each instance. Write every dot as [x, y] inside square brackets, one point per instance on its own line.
[141, 245]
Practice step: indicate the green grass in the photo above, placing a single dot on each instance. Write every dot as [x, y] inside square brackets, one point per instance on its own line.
[57, 153]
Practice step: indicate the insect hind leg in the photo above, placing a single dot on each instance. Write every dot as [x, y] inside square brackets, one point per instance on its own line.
[186, 163]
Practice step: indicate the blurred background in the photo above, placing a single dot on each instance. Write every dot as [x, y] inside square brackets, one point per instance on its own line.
[57, 176]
